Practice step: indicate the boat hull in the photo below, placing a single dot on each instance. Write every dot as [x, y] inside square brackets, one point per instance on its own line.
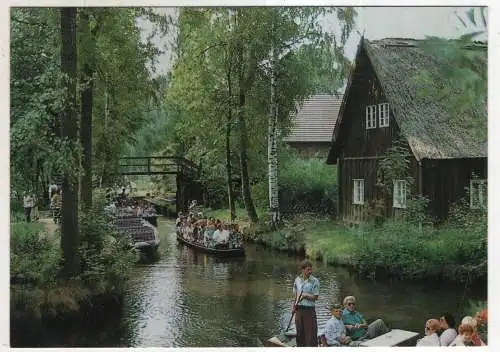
[235, 252]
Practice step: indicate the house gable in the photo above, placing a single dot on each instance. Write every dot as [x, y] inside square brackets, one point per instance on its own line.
[352, 136]
[426, 122]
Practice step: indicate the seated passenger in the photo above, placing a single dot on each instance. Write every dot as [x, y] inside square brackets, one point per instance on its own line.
[334, 332]
[475, 340]
[482, 325]
[356, 325]
[224, 237]
[431, 337]
[216, 236]
[447, 327]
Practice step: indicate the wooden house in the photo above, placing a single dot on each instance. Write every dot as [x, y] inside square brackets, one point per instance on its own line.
[400, 93]
[312, 125]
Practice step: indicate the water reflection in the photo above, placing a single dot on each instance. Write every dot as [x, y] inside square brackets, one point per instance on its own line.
[193, 299]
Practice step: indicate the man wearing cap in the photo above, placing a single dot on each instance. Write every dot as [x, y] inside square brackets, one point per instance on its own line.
[356, 325]
[334, 332]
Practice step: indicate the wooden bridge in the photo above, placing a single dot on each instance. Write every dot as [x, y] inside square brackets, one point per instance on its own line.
[186, 172]
[157, 165]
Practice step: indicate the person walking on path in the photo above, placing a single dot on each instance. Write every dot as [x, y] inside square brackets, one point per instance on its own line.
[52, 189]
[306, 292]
[56, 206]
[35, 213]
[28, 203]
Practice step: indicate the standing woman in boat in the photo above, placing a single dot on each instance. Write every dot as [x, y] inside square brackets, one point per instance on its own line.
[306, 292]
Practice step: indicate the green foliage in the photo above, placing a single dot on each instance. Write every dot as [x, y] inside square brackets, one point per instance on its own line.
[123, 91]
[444, 252]
[394, 166]
[37, 97]
[305, 185]
[398, 248]
[416, 211]
[464, 89]
[207, 78]
[475, 307]
[286, 239]
[34, 259]
[107, 256]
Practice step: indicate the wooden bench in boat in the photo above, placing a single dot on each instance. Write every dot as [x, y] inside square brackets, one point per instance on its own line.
[395, 337]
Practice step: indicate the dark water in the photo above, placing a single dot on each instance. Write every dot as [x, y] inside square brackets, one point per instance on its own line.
[193, 299]
[189, 299]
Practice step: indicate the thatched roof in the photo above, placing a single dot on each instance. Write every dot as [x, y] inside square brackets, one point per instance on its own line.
[433, 129]
[315, 119]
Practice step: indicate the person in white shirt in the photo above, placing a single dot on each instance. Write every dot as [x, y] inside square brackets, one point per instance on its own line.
[217, 236]
[431, 337]
[447, 326]
[52, 189]
[224, 236]
[334, 332]
[28, 203]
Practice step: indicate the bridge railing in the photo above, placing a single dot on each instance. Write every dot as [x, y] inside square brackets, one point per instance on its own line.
[156, 165]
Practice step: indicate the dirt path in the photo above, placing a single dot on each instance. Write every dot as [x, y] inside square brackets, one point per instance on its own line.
[50, 227]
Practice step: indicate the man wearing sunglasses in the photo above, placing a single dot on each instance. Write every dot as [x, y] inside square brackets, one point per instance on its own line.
[356, 325]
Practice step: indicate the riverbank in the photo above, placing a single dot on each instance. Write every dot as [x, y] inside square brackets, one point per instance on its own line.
[395, 248]
[41, 300]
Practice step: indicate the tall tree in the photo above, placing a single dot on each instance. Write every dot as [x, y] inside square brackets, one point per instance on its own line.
[246, 58]
[70, 237]
[87, 50]
[272, 149]
[211, 39]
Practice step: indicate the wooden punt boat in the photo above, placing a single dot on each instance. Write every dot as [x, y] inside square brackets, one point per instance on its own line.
[143, 235]
[393, 338]
[230, 252]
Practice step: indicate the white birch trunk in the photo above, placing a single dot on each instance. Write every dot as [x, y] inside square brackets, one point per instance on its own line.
[272, 152]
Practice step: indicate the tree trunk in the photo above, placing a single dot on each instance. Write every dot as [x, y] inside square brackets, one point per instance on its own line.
[245, 179]
[70, 237]
[243, 84]
[86, 112]
[272, 152]
[229, 171]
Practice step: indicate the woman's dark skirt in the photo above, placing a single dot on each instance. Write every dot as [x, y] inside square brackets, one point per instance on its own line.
[307, 328]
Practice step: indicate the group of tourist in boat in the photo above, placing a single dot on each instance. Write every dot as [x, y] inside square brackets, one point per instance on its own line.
[348, 327]
[208, 232]
[125, 206]
[472, 331]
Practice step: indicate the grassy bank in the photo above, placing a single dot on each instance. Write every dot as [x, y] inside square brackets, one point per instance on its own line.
[454, 251]
[39, 293]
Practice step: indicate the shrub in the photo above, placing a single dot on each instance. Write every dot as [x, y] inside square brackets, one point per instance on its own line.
[33, 257]
[106, 254]
[305, 185]
[407, 251]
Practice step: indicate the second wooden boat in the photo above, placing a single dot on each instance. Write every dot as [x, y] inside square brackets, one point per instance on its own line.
[229, 252]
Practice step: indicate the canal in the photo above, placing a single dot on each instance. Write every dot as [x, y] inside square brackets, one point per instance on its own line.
[190, 299]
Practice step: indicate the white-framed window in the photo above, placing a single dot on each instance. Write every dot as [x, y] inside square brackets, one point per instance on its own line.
[371, 116]
[399, 194]
[358, 191]
[383, 115]
[478, 193]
